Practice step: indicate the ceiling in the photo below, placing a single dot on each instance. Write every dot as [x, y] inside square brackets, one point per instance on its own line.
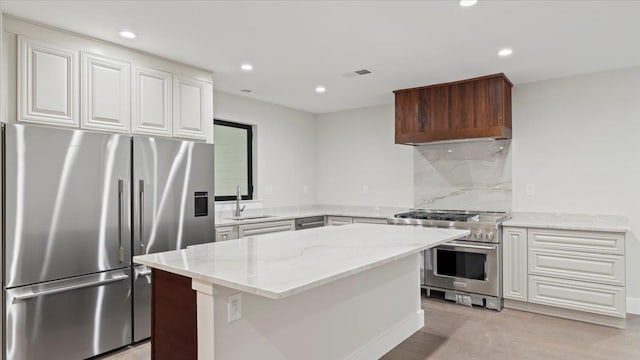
[295, 46]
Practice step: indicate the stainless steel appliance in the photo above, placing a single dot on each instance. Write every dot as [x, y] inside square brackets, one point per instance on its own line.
[172, 208]
[67, 243]
[69, 287]
[467, 270]
[309, 222]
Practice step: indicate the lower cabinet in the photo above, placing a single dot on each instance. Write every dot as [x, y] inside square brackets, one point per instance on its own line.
[265, 228]
[361, 220]
[575, 272]
[514, 263]
[339, 220]
[578, 295]
[224, 233]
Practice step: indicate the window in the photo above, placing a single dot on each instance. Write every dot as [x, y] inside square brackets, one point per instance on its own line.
[233, 160]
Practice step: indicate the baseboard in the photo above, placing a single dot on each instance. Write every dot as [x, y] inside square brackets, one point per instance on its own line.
[389, 339]
[633, 305]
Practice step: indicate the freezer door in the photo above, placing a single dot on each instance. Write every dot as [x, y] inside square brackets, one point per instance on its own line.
[69, 319]
[67, 203]
[173, 194]
[141, 303]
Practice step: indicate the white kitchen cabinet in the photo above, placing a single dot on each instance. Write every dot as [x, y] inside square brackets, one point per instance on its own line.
[574, 265]
[573, 240]
[514, 261]
[265, 228]
[190, 113]
[224, 233]
[47, 84]
[151, 102]
[339, 220]
[106, 95]
[362, 220]
[578, 295]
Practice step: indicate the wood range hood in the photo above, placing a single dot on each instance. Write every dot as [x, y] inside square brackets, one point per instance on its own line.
[471, 109]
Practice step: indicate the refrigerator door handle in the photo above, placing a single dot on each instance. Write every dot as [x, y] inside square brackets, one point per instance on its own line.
[141, 214]
[144, 272]
[30, 294]
[122, 220]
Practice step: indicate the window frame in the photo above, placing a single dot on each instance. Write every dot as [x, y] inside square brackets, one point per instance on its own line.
[249, 129]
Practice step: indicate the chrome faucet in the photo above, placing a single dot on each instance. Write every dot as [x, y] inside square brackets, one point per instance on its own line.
[238, 210]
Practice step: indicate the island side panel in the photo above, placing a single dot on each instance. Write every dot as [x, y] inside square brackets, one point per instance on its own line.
[174, 318]
[362, 316]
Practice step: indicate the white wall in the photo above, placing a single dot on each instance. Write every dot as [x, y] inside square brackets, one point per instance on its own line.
[356, 149]
[286, 150]
[577, 139]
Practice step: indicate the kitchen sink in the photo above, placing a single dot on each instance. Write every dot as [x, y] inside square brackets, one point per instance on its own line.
[249, 217]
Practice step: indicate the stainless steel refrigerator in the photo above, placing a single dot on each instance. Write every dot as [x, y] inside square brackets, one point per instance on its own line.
[172, 207]
[72, 203]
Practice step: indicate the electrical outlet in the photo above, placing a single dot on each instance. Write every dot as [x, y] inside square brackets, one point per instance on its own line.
[234, 307]
[305, 189]
[365, 189]
[531, 189]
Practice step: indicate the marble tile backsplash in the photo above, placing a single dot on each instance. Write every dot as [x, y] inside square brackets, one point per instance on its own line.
[473, 175]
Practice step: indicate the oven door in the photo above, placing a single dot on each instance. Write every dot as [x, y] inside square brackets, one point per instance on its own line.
[465, 266]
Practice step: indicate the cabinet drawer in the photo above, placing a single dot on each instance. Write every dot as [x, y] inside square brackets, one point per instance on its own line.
[602, 268]
[361, 220]
[265, 228]
[578, 295]
[339, 220]
[587, 241]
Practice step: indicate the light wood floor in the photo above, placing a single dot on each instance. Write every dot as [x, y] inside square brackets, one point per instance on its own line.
[456, 332]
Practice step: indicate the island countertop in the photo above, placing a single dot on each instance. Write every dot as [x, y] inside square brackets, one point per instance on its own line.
[283, 264]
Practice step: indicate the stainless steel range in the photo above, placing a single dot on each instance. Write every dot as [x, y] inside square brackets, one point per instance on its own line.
[467, 270]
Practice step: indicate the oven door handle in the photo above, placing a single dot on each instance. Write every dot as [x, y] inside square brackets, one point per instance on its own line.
[469, 246]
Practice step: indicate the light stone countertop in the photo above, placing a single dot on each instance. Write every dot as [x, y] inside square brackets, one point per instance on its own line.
[585, 222]
[289, 213]
[286, 263]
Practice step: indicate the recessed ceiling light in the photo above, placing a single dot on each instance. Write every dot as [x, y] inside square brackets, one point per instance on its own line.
[246, 67]
[246, 90]
[320, 89]
[127, 34]
[505, 52]
[467, 3]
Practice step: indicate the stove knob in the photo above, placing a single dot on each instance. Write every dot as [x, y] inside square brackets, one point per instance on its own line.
[477, 235]
[491, 235]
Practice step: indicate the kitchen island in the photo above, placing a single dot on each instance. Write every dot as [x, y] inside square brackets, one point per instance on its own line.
[347, 292]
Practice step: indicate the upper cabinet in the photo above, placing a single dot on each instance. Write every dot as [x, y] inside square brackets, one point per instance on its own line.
[467, 109]
[47, 84]
[189, 107]
[151, 102]
[57, 78]
[106, 99]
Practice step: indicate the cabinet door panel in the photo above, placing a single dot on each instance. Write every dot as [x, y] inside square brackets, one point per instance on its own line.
[265, 228]
[602, 268]
[48, 84]
[572, 240]
[152, 93]
[106, 98]
[578, 295]
[407, 121]
[514, 247]
[339, 220]
[189, 114]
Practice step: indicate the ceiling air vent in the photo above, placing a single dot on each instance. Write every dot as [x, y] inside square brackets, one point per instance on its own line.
[357, 73]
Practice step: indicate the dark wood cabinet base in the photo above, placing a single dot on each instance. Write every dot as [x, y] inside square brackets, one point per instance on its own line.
[174, 326]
